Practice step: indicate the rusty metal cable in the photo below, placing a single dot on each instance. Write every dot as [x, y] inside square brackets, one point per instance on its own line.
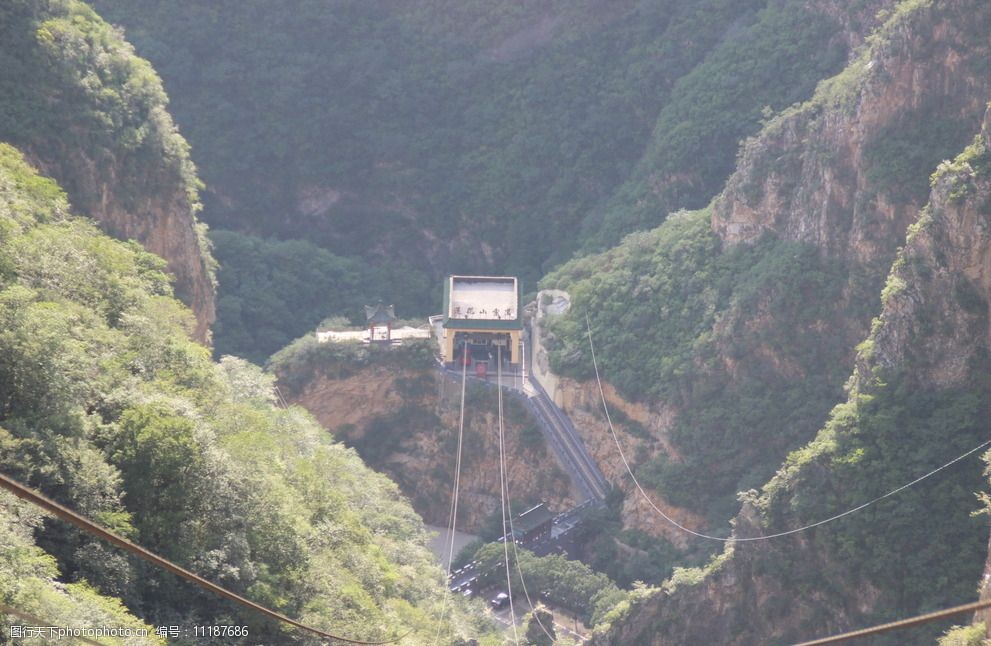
[66, 514]
[901, 623]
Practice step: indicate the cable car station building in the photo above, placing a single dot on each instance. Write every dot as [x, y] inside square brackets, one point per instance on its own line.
[480, 313]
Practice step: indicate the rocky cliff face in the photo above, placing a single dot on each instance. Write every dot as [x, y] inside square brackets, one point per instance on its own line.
[941, 283]
[92, 115]
[932, 340]
[857, 20]
[642, 429]
[140, 196]
[843, 175]
[846, 171]
[407, 427]
[643, 434]
[849, 26]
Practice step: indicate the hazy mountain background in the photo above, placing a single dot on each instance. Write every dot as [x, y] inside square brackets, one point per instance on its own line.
[773, 214]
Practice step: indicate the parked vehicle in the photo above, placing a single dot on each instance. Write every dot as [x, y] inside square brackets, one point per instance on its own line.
[500, 601]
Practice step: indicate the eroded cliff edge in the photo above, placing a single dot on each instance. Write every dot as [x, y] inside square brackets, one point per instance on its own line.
[735, 327]
[91, 114]
[917, 398]
[402, 416]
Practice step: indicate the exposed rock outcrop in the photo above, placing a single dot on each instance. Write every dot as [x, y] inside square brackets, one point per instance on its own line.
[147, 201]
[642, 430]
[91, 114]
[407, 427]
[843, 175]
[748, 595]
[942, 280]
[815, 173]
[846, 175]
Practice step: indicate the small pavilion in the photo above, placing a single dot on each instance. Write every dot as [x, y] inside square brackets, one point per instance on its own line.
[533, 525]
[377, 317]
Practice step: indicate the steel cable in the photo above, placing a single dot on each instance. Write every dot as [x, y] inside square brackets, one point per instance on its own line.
[901, 623]
[502, 495]
[509, 507]
[453, 518]
[734, 539]
[66, 514]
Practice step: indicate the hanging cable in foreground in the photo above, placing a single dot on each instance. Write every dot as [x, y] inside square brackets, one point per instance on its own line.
[901, 623]
[66, 514]
[733, 539]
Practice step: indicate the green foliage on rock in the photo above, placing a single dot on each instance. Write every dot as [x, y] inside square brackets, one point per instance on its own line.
[664, 304]
[661, 290]
[900, 158]
[75, 95]
[89, 75]
[110, 409]
[297, 363]
[761, 67]
[972, 635]
[923, 548]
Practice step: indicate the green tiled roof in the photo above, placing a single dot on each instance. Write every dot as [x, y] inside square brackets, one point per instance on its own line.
[380, 313]
[532, 518]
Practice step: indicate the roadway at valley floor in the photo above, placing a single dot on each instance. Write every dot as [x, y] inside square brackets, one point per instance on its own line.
[571, 627]
[559, 541]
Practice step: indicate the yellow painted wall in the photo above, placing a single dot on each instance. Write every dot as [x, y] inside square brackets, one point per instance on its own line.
[514, 342]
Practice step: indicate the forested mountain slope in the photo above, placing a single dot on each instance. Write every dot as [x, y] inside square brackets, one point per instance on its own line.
[84, 108]
[436, 136]
[918, 398]
[750, 309]
[28, 580]
[408, 140]
[110, 409]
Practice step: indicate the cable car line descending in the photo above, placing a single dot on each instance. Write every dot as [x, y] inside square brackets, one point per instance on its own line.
[66, 514]
[453, 520]
[503, 497]
[901, 623]
[516, 555]
[733, 539]
[509, 506]
[457, 468]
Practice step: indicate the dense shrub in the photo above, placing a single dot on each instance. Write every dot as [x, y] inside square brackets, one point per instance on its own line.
[109, 408]
[664, 304]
